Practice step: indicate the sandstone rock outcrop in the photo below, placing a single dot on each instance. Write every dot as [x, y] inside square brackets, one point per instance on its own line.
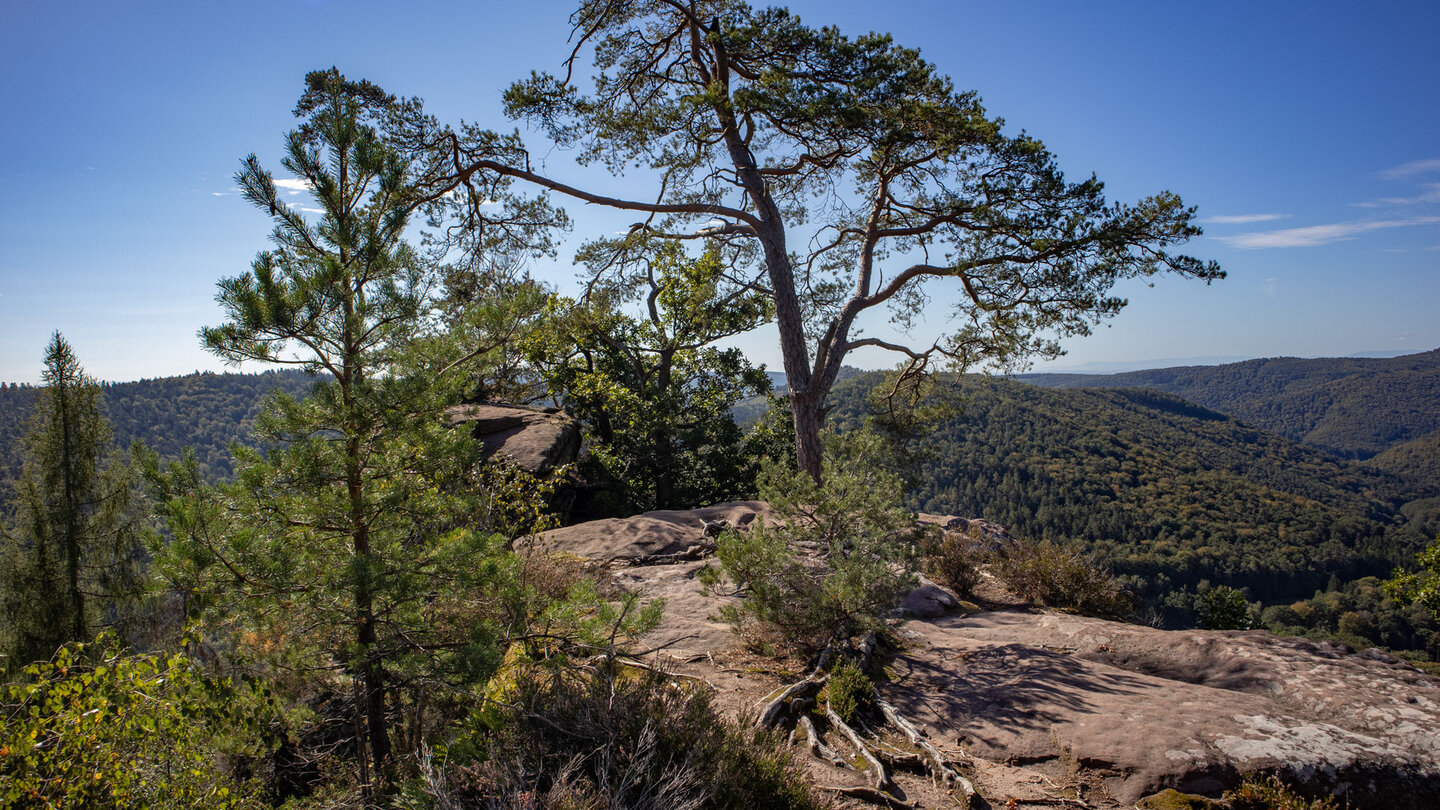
[535, 439]
[1044, 706]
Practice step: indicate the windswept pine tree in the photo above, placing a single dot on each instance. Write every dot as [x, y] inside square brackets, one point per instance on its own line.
[69, 552]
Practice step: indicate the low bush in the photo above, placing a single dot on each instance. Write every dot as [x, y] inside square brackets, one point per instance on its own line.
[620, 738]
[1271, 793]
[849, 692]
[99, 727]
[1062, 577]
[839, 559]
[953, 559]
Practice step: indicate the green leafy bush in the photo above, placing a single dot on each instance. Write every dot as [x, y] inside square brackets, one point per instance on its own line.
[96, 727]
[837, 562]
[1061, 577]
[849, 690]
[1224, 608]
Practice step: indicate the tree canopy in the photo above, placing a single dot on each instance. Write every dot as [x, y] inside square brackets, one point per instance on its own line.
[855, 174]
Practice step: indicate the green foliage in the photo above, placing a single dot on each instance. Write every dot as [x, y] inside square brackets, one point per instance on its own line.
[1168, 492]
[616, 739]
[1062, 577]
[1272, 793]
[98, 727]
[654, 391]
[1224, 608]
[849, 691]
[70, 557]
[1421, 586]
[1361, 614]
[839, 559]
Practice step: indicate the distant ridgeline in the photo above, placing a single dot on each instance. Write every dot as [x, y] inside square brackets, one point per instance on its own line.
[1173, 493]
[205, 411]
[1352, 407]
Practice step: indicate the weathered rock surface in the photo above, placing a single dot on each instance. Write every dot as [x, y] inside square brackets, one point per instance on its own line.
[1043, 704]
[536, 439]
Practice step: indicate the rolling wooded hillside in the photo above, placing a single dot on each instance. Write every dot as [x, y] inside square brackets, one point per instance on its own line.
[1351, 407]
[205, 411]
[1170, 492]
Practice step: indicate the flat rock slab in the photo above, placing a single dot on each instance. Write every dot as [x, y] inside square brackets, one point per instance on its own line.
[1192, 710]
[1047, 699]
[617, 540]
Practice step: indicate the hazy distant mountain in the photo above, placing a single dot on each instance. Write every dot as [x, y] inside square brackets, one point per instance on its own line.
[1353, 407]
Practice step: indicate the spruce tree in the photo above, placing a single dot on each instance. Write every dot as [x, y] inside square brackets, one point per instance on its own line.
[70, 553]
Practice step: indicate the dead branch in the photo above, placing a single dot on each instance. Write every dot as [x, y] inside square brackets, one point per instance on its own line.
[818, 747]
[770, 711]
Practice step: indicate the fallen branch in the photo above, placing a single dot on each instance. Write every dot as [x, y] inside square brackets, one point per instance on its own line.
[881, 780]
[696, 552]
[938, 768]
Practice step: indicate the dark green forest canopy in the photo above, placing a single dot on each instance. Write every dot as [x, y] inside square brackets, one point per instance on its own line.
[204, 411]
[1171, 492]
[1352, 407]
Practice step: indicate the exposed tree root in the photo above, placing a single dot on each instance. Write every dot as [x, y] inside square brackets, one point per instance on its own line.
[937, 764]
[870, 795]
[818, 747]
[770, 711]
[881, 779]
[698, 551]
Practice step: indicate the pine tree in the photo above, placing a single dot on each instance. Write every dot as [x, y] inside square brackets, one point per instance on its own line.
[70, 553]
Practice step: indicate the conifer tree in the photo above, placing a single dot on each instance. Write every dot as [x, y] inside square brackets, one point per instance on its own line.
[70, 551]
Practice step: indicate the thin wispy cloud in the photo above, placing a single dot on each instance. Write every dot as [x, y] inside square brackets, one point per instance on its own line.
[1412, 169]
[1242, 219]
[293, 185]
[1316, 235]
[1430, 194]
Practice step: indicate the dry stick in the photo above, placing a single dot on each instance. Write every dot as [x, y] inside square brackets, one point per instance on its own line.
[881, 780]
[937, 762]
[819, 748]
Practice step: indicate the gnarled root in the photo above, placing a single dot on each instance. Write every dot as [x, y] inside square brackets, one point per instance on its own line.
[870, 795]
[934, 761]
[881, 780]
[818, 747]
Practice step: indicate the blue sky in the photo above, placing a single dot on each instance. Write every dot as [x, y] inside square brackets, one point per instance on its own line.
[1308, 135]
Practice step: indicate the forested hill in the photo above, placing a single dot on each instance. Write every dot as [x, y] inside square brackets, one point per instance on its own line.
[1352, 407]
[1171, 492]
[206, 411]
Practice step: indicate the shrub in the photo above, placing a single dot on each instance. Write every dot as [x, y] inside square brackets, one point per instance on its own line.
[1224, 608]
[616, 739]
[839, 559]
[96, 727]
[1270, 793]
[1062, 577]
[953, 559]
[849, 690]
